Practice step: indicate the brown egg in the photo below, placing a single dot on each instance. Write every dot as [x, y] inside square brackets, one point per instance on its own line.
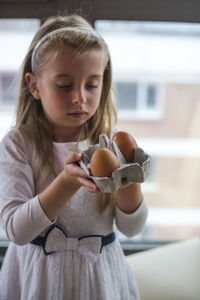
[103, 163]
[126, 144]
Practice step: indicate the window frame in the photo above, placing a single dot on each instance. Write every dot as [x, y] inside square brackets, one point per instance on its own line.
[142, 10]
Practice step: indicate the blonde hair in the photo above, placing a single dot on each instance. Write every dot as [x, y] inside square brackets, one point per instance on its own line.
[30, 117]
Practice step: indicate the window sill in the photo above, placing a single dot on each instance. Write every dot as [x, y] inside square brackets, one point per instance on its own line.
[127, 247]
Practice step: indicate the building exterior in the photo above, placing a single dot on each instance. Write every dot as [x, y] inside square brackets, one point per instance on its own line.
[157, 80]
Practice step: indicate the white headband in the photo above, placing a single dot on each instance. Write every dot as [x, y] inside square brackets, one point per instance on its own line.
[50, 34]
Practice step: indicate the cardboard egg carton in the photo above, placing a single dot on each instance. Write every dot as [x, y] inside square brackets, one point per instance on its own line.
[136, 171]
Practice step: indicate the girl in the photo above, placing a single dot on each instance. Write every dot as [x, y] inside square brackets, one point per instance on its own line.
[59, 224]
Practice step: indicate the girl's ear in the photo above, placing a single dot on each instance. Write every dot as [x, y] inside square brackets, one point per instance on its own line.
[32, 84]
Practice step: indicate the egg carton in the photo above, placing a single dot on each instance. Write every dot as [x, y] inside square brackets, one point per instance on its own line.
[136, 171]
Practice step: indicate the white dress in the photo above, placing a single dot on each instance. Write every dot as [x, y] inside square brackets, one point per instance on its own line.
[69, 273]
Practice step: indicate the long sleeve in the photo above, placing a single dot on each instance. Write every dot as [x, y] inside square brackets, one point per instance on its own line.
[21, 215]
[131, 224]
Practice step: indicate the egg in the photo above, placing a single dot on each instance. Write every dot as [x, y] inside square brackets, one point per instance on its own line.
[103, 163]
[126, 144]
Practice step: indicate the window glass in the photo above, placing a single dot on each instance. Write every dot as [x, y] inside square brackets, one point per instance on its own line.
[128, 92]
[151, 96]
[156, 73]
[15, 37]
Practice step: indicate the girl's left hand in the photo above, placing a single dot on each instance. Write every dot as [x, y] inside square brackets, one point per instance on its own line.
[125, 184]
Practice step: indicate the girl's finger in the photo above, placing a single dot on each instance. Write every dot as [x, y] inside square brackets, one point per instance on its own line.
[89, 185]
[76, 170]
[91, 191]
[96, 190]
[74, 157]
[125, 185]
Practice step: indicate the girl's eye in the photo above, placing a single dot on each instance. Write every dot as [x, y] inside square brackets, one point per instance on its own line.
[92, 86]
[65, 86]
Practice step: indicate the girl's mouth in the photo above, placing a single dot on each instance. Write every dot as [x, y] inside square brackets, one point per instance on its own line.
[77, 114]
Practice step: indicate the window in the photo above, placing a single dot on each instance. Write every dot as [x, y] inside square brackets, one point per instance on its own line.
[156, 72]
[7, 93]
[15, 36]
[127, 92]
[138, 100]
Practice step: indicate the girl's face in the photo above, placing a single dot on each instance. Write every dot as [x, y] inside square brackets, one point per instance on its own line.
[69, 89]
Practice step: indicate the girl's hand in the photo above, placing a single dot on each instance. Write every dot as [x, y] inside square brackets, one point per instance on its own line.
[75, 173]
[129, 196]
[124, 184]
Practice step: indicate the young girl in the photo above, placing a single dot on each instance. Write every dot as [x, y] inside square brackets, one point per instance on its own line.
[59, 224]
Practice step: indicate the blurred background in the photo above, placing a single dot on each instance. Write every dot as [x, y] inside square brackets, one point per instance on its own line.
[155, 50]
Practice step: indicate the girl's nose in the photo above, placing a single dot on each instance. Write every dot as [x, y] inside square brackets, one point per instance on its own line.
[79, 96]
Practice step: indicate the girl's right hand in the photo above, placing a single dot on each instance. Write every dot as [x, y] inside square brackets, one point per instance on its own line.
[72, 171]
[63, 187]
